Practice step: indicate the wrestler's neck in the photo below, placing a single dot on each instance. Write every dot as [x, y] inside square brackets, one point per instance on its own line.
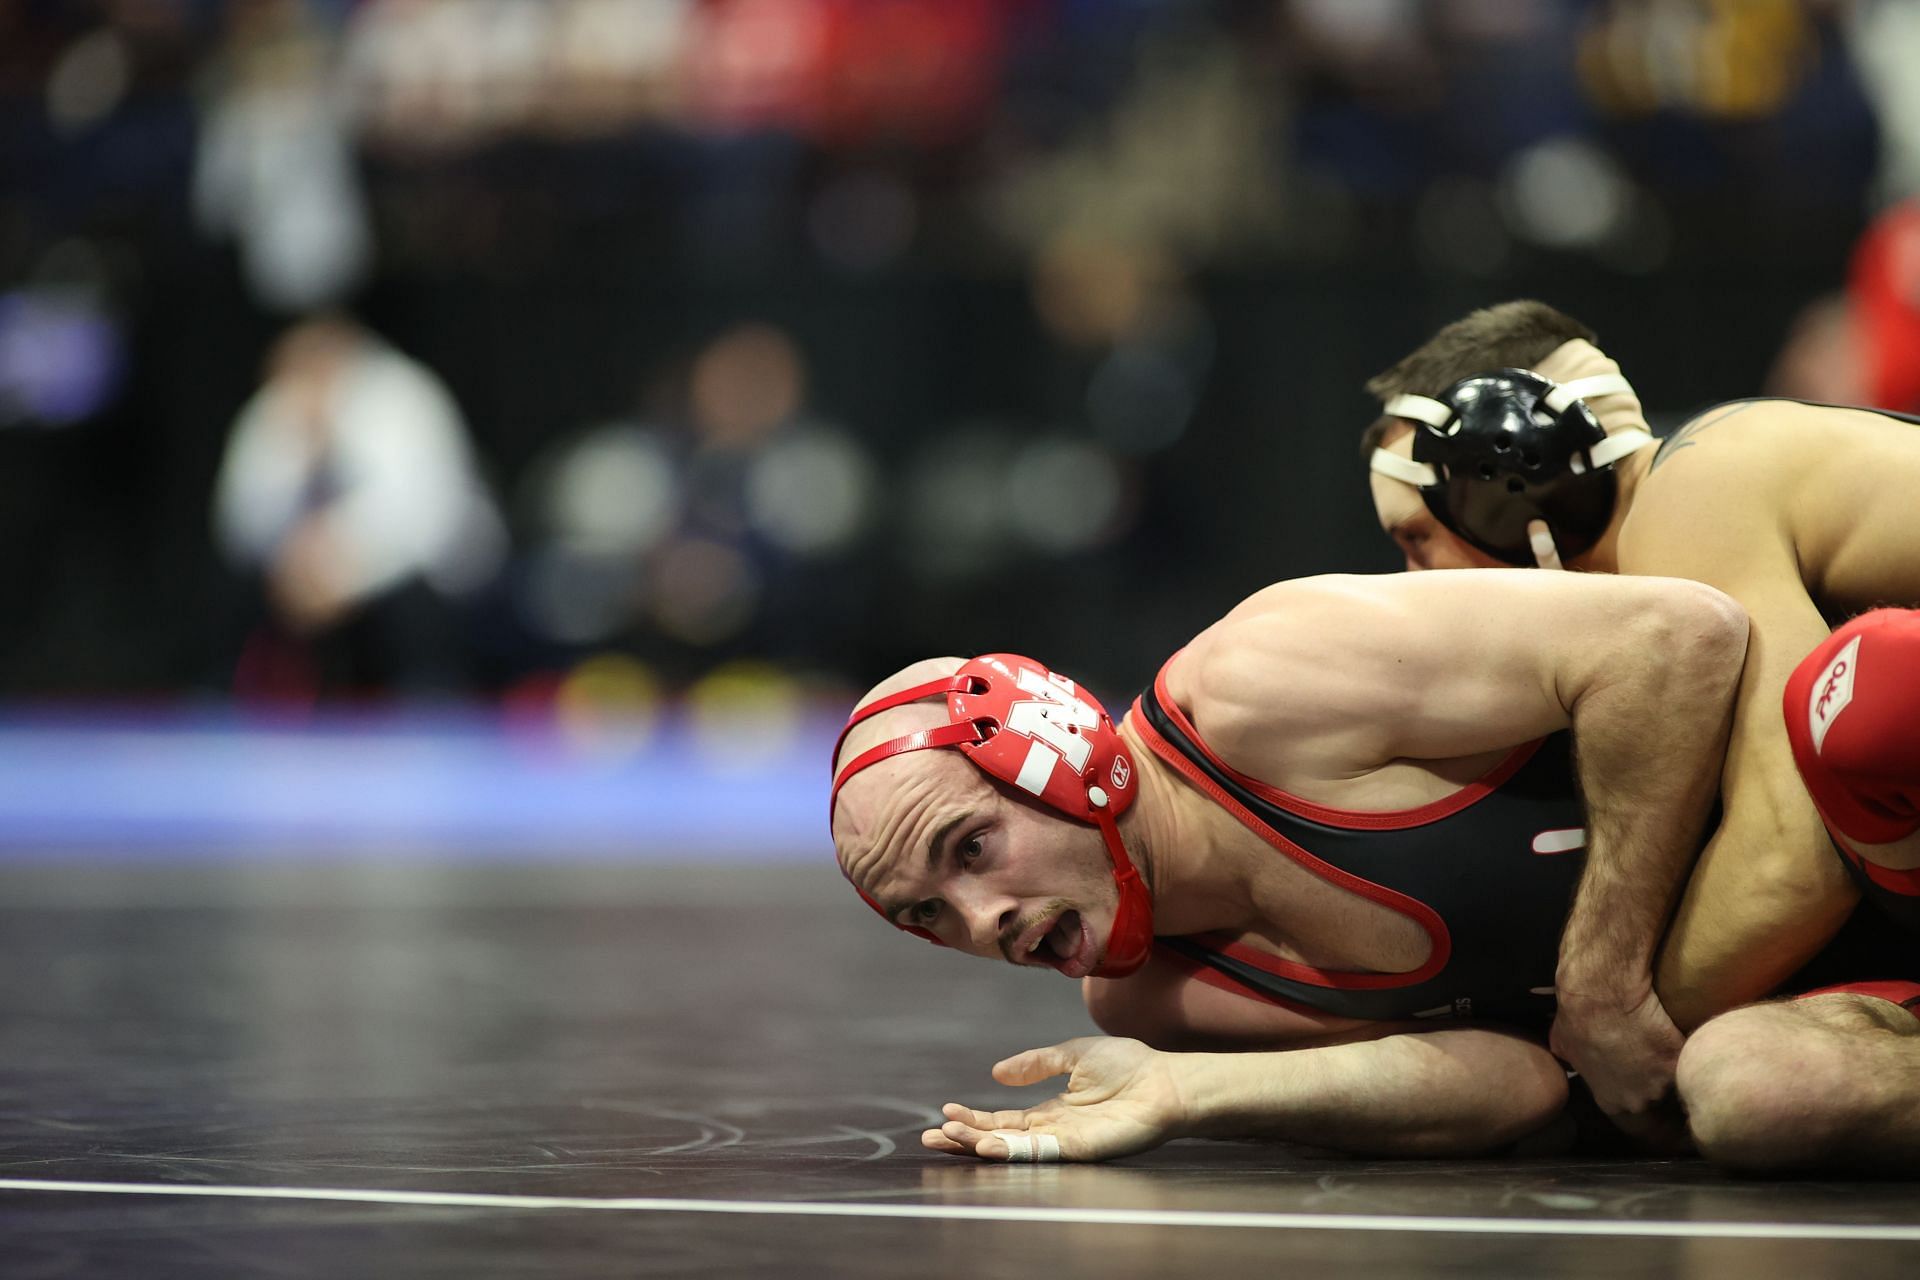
[1184, 846]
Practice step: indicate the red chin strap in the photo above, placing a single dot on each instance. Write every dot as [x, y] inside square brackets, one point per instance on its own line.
[1037, 732]
[1130, 941]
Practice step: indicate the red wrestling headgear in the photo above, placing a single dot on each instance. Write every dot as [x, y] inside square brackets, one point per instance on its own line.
[1034, 730]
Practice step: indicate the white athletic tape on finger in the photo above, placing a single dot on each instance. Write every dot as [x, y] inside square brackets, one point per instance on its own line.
[1042, 1148]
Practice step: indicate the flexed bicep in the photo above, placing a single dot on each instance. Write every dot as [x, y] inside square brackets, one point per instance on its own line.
[1443, 666]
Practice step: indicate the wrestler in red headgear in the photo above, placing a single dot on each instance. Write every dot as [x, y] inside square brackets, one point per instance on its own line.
[1036, 731]
[1349, 811]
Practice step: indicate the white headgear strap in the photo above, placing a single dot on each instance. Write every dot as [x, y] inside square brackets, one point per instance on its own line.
[1439, 415]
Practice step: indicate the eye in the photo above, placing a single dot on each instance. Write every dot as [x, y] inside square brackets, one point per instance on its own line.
[971, 849]
[924, 913]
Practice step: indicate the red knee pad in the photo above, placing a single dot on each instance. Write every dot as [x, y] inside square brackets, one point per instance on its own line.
[1853, 717]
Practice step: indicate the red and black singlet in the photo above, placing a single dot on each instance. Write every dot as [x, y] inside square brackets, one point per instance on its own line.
[1489, 873]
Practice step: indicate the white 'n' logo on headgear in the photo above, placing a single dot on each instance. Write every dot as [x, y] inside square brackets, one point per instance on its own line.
[1050, 719]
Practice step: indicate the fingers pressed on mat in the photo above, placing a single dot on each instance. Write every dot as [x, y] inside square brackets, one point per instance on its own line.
[1023, 1148]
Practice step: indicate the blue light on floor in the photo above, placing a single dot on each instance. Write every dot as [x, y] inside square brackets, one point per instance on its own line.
[404, 784]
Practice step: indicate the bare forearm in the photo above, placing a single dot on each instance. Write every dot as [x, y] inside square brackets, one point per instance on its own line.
[1769, 889]
[1620, 911]
[1649, 745]
[1447, 1092]
[1765, 897]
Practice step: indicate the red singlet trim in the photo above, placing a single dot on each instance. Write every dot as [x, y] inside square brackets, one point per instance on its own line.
[1441, 942]
[1352, 819]
[1904, 994]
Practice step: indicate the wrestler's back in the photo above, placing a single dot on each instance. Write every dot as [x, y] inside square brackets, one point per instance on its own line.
[1838, 487]
[1302, 918]
[1452, 899]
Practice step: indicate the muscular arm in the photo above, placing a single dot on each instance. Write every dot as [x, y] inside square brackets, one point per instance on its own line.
[1438, 666]
[1248, 1069]
[1442, 666]
[1330, 678]
[1646, 810]
[1768, 891]
[1453, 1092]
[1458, 1091]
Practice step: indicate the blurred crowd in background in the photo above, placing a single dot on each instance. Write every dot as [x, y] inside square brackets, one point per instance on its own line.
[599, 352]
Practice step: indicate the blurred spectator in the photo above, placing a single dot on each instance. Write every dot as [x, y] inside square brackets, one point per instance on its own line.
[1185, 162]
[724, 531]
[1883, 36]
[1862, 345]
[275, 169]
[427, 75]
[1049, 267]
[351, 494]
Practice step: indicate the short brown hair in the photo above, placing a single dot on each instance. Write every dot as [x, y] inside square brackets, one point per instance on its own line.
[1512, 335]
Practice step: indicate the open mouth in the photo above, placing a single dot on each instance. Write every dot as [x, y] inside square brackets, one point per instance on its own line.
[1065, 947]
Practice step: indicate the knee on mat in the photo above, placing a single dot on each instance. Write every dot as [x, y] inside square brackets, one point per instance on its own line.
[1765, 1091]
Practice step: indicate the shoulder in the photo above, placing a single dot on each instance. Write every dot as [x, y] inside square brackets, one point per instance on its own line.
[1314, 668]
[1300, 621]
[1751, 409]
[1746, 435]
[1717, 493]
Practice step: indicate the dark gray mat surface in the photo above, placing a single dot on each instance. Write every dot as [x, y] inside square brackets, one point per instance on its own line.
[740, 1034]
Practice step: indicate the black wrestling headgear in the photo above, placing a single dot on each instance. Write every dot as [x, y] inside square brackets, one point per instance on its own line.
[1501, 449]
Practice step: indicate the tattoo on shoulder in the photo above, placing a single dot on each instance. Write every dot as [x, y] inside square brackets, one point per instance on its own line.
[1683, 438]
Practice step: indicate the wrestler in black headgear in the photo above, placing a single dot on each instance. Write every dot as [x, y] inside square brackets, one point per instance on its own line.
[1499, 450]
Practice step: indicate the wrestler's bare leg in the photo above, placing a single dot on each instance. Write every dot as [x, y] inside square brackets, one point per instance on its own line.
[1829, 1081]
